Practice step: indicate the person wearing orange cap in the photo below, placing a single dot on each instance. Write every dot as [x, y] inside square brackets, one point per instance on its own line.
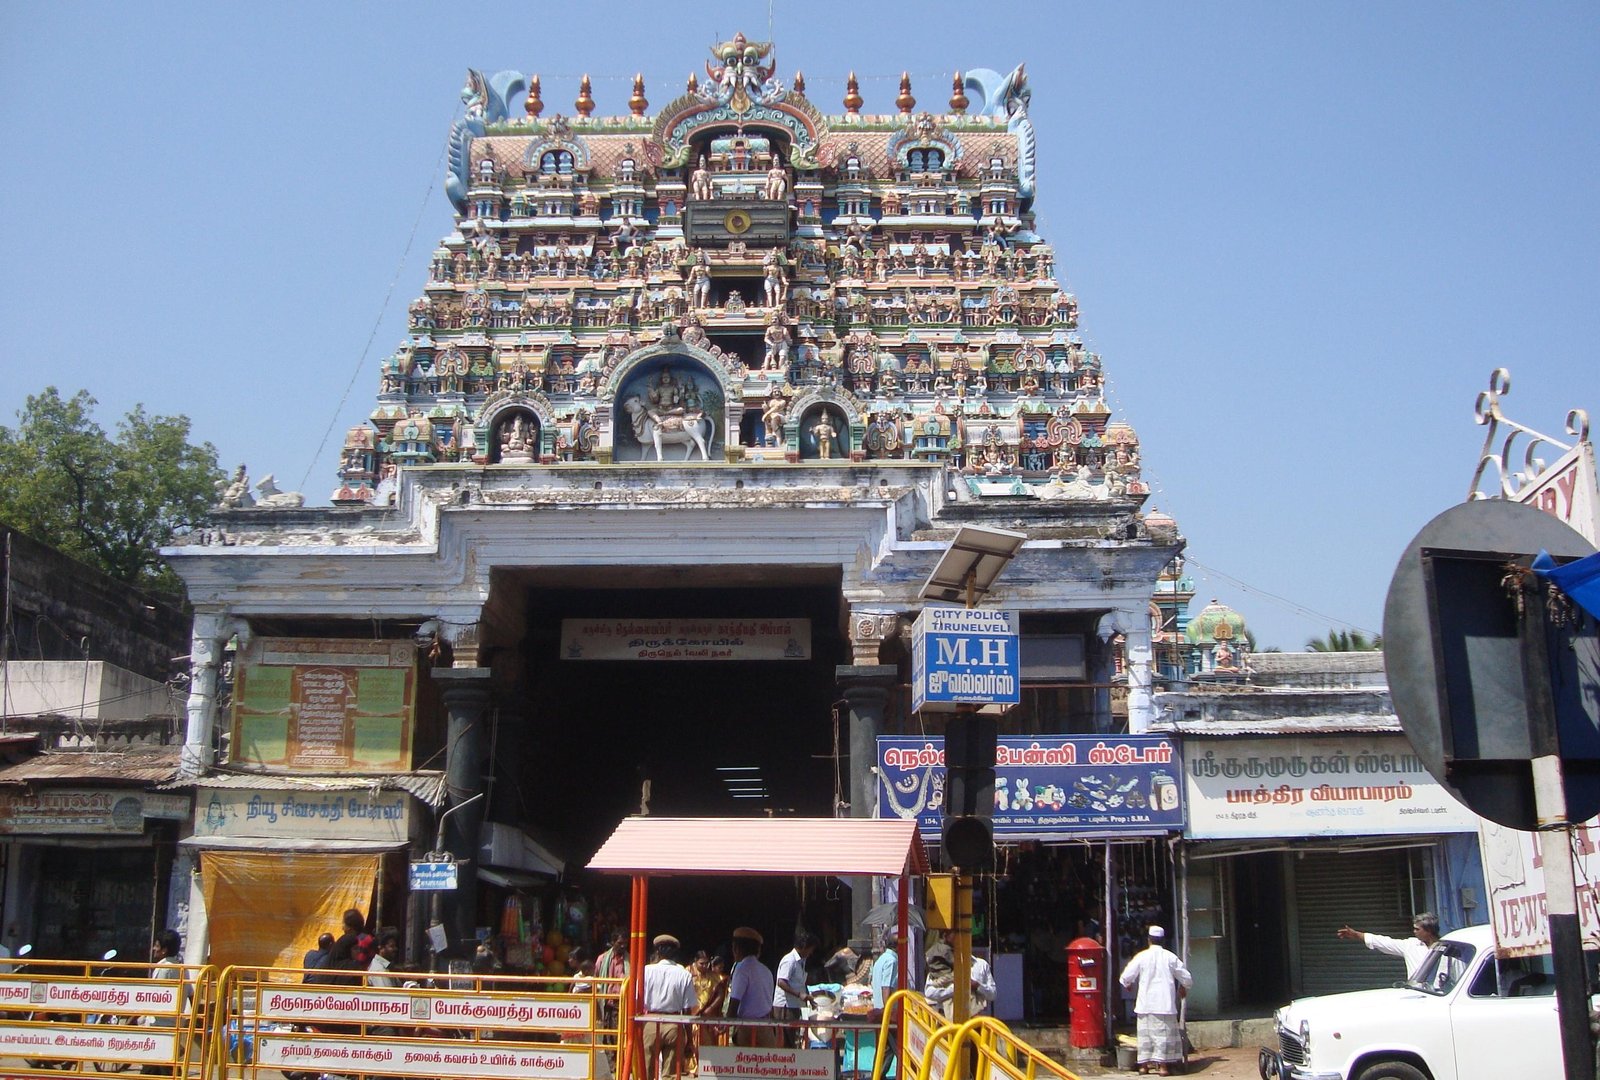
[750, 988]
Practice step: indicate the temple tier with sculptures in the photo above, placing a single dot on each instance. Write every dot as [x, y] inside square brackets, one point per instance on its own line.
[812, 284]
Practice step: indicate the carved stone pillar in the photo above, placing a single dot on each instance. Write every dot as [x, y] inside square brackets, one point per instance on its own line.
[869, 630]
[1134, 626]
[1138, 655]
[208, 639]
[465, 691]
[865, 690]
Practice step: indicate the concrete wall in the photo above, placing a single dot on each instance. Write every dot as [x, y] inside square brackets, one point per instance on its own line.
[54, 603]
[94, 689]
[1318, 671]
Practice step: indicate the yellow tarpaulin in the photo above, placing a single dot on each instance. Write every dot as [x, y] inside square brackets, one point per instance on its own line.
[268, 908]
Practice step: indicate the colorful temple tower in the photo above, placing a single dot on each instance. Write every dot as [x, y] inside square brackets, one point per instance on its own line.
[738, 369]
[753, 280]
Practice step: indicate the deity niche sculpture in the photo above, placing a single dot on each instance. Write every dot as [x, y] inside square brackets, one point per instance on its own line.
[772, 417]
[700, 182]
[777, 339]
[824, 433]
[670, 412]
[777, 186]
[516, 441]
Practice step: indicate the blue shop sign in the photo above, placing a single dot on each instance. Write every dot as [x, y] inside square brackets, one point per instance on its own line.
[433, 877]
[964, 656]
[1045, 785]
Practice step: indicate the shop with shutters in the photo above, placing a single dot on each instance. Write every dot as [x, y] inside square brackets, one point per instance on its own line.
[1307, 812]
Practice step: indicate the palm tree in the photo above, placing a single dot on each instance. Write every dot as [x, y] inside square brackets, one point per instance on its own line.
[1345, 641]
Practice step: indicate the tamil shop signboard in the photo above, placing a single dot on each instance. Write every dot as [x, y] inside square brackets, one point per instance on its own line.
[279, 814]
[1045, 785]
[965, 656]
[325, 705]
[46, 811]
[1290, 786]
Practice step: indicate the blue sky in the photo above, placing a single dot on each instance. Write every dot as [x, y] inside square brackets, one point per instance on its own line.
[1301, 235]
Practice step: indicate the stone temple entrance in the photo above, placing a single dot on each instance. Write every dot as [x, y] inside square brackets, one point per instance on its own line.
[720, 738]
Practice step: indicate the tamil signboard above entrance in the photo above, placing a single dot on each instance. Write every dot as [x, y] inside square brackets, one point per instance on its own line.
[965, 656]
[1045, 785]
[293, 814]
[1253, 788]
[686, 639]
[325, 704]
[42, 811]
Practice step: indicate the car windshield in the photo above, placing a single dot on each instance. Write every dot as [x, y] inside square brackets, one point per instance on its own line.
[1443, 967]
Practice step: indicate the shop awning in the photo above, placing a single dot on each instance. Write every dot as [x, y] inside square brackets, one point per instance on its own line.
[788, 846]
[288, 843]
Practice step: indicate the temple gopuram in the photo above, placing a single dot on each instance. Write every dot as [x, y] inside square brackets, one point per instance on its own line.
[692, 402]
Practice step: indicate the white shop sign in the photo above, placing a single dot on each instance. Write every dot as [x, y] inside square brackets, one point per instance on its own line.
[755, 1063]
[406, 1057]
[300, 814]
[1291, 786]
[1513, 869]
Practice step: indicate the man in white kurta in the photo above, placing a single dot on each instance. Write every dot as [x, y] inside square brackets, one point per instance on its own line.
[1161, 980]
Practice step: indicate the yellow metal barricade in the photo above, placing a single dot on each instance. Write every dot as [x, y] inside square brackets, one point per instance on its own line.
[921, 1044]
[446, 1026]
[104, 1016]
[983, 1048]
[929, 1047]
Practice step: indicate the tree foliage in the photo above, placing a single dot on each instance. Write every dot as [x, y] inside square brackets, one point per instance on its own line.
[1345, 641]
[106, 500]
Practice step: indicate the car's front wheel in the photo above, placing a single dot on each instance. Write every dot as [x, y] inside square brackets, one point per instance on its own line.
[1391, 1070]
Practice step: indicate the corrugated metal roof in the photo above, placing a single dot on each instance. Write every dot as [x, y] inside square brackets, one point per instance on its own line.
[1340, 724]
[658, 845]
[134, 765]
[427, 786]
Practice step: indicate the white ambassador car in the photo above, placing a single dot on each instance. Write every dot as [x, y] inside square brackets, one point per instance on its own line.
[1465, 1016]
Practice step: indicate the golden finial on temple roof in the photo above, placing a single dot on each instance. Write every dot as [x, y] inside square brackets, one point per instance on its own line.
[852, 96]
[693, 85]
[800, 83]
[905, 102]
[637, 103]
[958, 96]
[533, 106]
[585, 102]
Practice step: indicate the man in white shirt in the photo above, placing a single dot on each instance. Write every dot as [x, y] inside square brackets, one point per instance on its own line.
[388, 952]
[668, 988]
[789, 989]
[1413, 950]
[1162, 980]
[750, 989]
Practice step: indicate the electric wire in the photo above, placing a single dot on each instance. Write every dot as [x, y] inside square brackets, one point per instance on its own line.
[383, 308]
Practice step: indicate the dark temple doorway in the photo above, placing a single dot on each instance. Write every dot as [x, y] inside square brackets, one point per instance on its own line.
[711, 738]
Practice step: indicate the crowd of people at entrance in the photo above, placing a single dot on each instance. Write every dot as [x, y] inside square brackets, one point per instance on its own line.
[734, 998]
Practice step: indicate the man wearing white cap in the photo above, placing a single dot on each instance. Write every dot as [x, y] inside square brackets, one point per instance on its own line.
[1162, 980]
[668, 988]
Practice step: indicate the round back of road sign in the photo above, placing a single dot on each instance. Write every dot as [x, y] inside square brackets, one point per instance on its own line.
[1458, 663]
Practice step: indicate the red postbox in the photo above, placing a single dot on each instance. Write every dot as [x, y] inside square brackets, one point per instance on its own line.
[1086, 992]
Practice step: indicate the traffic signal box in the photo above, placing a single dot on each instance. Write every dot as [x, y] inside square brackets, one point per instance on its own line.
[967, 830]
